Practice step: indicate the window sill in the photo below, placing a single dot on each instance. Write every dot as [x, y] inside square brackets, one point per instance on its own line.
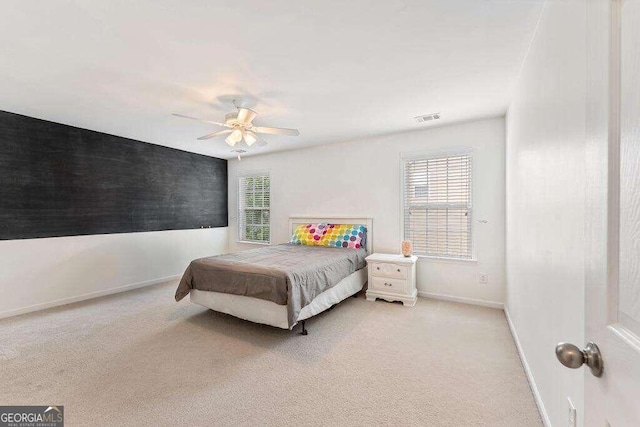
[425, 258]
[249, 242]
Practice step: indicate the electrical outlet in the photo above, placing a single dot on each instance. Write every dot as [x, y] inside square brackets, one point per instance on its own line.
[572, 414]
[483, 279]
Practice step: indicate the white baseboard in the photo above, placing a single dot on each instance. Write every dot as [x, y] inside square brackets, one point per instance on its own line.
[462, 300]
[97, 294]
[527, 370]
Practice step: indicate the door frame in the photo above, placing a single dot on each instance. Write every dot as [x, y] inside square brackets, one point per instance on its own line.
[600, 155]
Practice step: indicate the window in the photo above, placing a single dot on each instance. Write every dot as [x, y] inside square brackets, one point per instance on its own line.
[437, 205]
[254, 219]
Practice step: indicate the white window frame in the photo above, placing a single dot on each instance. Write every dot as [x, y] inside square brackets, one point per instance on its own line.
[425, 155]
[240, 209]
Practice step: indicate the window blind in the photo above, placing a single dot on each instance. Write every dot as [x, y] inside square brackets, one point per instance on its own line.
[437, 205]
[254, 202]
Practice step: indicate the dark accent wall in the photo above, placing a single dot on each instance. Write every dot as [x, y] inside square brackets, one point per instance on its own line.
[58, 180]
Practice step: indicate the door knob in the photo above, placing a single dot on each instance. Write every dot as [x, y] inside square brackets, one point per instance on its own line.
[572, 357]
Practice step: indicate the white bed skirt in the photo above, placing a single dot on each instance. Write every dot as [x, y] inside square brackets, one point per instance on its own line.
[269, 313]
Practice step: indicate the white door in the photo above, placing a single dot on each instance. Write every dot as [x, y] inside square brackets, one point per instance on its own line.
[612, 310]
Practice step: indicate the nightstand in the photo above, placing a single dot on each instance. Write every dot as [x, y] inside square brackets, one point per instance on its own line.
[393, 278]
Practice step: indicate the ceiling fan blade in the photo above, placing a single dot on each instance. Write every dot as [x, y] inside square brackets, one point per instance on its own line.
[213, 135]
[200, 120]
[246, 115]
[276, 131]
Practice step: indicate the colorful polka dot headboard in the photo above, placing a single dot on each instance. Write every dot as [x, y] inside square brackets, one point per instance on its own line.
[295, 221]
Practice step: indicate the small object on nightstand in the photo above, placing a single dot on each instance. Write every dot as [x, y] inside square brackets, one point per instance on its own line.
[392, 277]
[407, 248]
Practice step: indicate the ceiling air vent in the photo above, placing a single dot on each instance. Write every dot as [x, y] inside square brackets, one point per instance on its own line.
[427, 118]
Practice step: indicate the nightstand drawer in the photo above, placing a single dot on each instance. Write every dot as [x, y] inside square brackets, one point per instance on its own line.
[395, 286]
[381, 269]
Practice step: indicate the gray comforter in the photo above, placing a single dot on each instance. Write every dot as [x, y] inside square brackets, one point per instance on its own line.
[290, 275]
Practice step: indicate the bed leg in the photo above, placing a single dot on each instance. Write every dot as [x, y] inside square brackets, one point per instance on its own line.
[304, 329]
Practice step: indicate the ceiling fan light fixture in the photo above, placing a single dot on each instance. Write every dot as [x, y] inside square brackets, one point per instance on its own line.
[236, 135]
[230, 140]
[239, 126]
[250, 138]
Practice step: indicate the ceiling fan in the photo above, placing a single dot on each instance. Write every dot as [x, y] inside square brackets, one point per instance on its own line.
[239, 126]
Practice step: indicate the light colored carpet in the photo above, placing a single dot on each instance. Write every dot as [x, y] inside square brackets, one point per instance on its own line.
[139, 358]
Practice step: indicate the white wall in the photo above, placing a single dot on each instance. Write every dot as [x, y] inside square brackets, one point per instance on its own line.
[545, 203]
[40, 273]
[362, 178]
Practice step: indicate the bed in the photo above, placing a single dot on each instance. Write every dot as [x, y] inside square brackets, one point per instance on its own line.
[280, 285]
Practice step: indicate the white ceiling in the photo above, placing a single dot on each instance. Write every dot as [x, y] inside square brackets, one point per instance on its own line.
[336, 70]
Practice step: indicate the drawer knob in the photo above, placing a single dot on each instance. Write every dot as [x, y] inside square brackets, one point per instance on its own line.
[378, 268]
[387, 284]
[398, 270]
